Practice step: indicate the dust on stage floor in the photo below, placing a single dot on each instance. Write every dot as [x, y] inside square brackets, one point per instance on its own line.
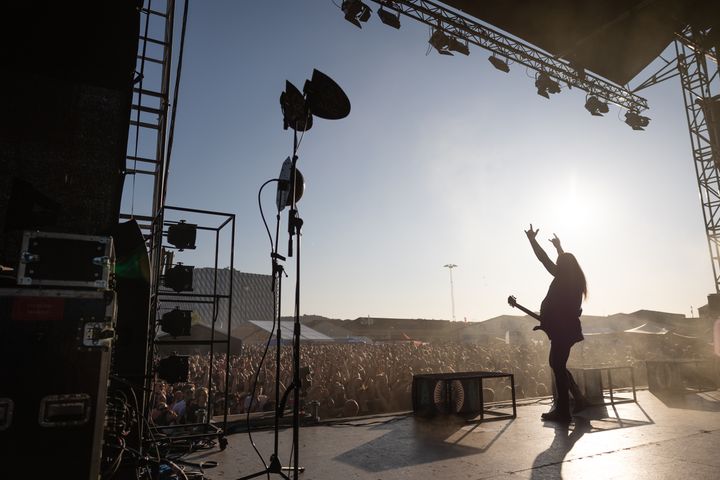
[655, 438]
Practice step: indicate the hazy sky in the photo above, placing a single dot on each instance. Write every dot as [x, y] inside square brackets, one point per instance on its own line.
[442, 160]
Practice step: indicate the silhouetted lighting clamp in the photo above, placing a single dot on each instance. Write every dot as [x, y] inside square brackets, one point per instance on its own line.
[595, 106]
[546, 85]
[636, 121]
[182, 235]
[177, 322]
[388, 18]
[440, 42]
[457, 46]
[355, 12]
[499, 64]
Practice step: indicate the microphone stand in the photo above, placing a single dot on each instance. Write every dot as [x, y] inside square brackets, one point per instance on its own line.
[277, 272]
[294, 227]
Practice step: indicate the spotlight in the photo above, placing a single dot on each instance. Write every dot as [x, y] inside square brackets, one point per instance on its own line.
[440, 42]
[180, 278]
[182, 235]
[389, 18]
[355, 12]
[636, 121]
[596, 107]
[546, 85]
[177, 322]
[173, 369]
[294, 109]
[499, 64]
[457, 46]
[325, 98]
[284, 195]
[321, 97]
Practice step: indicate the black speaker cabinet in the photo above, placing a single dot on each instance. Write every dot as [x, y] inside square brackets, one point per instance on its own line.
[55, 357]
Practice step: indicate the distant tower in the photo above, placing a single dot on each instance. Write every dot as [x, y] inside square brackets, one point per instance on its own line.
[450, 267]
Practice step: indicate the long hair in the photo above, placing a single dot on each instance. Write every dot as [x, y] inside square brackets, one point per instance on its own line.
[569, 271]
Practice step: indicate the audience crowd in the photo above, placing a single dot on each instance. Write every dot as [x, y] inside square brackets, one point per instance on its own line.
[345, 380]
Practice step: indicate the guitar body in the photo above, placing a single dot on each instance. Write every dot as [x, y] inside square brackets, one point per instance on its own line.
[512, 301]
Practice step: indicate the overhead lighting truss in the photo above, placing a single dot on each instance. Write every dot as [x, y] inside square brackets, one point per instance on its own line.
[455, 25]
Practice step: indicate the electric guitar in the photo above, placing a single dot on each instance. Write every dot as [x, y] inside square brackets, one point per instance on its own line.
[512, 301]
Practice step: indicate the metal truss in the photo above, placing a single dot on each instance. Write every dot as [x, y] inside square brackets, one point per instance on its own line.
[499, 44]
[698, 79]
[148, 118]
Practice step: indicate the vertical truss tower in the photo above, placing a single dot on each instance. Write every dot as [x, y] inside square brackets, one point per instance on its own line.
[698, 70]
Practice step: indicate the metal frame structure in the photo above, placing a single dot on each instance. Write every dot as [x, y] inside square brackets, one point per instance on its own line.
[699, 78]
[500, 44]
[159, 294]
[150, 101]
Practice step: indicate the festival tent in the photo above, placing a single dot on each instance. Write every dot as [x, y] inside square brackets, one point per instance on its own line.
[649, 329]
[258, 331]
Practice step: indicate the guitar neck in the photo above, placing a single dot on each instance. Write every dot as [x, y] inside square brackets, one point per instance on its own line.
[529, 312]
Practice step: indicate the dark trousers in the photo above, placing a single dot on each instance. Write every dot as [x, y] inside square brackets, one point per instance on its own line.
[559, 353]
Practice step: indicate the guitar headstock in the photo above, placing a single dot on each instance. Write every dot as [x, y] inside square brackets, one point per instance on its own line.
[512, 301]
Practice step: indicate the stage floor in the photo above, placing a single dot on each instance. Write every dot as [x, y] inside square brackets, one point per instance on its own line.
[669, 438]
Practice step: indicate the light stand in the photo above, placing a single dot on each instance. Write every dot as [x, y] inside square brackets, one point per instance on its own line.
[323, 98]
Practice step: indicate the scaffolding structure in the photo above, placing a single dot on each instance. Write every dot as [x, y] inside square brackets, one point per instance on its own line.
[698, 68]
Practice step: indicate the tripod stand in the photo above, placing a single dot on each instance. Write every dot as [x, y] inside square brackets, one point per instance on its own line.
[294, 226]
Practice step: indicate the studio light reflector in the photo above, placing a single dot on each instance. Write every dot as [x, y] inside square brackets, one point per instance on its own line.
[499, 64]
[284, 194]
[294, 109]
[596, 107]
[388, 18]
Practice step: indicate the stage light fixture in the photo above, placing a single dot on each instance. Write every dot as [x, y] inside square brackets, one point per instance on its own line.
[546, 85]
[457, 46]
[182, 235]
[294, 109]
[636, 121]
[180, 278]
[388, 18]
[325, 98]
[440, 42]
[499, 64]
[355, 12]
[284, 195]
[321, 97]
[595, 106]
[177, 322]
[174, 369]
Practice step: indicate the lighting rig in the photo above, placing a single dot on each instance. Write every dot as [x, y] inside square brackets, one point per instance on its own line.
[452, 32]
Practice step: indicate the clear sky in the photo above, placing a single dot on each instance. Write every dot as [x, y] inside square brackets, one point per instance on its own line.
[442, 160]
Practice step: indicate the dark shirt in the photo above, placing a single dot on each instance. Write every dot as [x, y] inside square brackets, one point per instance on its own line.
[560, 310]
